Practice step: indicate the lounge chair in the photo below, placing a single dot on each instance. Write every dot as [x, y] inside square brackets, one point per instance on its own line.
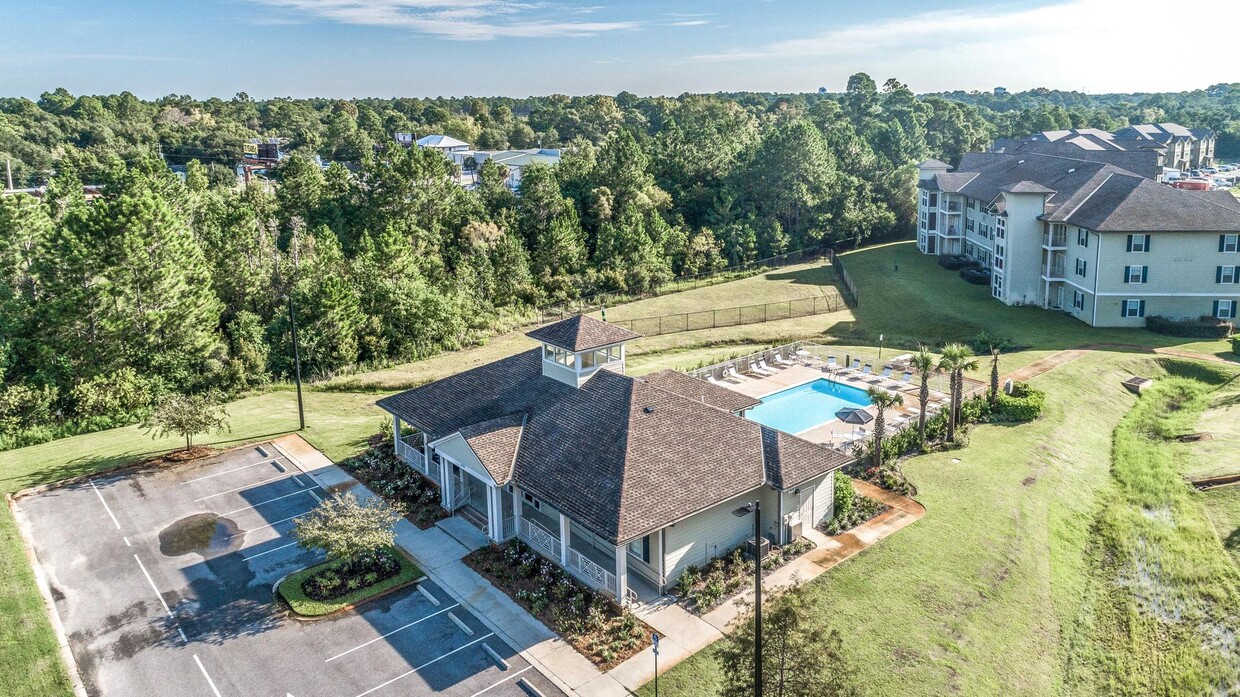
[776, 360]
[887, 373]
[856, 364]
[729, 372]
[831, 362]
[715, 376]
[906, 379]
[760, 366]
[788, 357]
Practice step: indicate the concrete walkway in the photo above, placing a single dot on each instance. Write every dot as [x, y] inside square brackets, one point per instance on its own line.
[682, 633]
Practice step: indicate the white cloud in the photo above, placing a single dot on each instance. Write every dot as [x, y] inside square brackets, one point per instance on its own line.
[1093, 44]
[468, 20]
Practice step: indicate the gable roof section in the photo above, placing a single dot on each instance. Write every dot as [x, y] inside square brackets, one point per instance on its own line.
[495, 442]
[621, 456]
[791, 461]
[581, 333]
[438, 141]
[1125, 202]
[702, 391]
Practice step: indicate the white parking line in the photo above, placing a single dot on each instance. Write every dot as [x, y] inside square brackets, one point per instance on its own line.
[126, 539]
[182, 633]
[274, 549]
[368, 643]
[107, 508]
[424, 665]
[153, 586]
[269, 525]
[220, 474]
[264, 503]
[247, 486]
[501, 682]
[210, 682]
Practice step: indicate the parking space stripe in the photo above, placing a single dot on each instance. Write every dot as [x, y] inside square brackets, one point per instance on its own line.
[269, 525]
[221, 474]
[210, 682]
[424, 665]
[264, 503]
[501, 682]
[275, 549]
[106, 507]
[153, 586]
[398, 629]
[247, 486]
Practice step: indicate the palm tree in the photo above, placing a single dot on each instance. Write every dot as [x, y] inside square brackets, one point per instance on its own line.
[955, 360]
[882, 401]
[923, 363]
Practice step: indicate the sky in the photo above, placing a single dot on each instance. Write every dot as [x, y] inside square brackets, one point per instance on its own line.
[427, 48]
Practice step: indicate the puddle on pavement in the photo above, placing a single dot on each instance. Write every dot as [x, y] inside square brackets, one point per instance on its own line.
[203, 533]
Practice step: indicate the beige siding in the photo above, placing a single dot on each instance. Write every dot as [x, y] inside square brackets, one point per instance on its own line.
[713, 532]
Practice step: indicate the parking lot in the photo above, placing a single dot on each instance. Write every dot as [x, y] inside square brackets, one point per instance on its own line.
[163, 579]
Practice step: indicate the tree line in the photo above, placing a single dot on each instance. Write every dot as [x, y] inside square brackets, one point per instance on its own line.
[181, 285]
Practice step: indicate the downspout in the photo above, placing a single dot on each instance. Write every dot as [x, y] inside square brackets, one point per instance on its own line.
[1093, 321]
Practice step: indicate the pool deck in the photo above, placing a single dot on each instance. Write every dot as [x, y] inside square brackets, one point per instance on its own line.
[834, 432]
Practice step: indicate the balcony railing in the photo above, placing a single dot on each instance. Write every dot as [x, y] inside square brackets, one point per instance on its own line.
[591, 572]
[952, 207]
[509, 527]
[1055, 240]
[1055, 270]
[539, 537]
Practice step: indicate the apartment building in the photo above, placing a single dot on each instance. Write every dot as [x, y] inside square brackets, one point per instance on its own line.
[1101, 243]
[1150, 146]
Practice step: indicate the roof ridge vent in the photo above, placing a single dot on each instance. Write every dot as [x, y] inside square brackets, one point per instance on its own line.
[1072, 170]
[648, 410]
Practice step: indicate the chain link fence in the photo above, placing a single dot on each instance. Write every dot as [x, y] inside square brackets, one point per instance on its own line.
[734, 316]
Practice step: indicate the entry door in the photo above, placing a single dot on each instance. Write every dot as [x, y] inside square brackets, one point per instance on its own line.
[932, 244]
[1059, 297]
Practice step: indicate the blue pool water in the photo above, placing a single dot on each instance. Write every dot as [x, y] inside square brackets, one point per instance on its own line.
[805, 406]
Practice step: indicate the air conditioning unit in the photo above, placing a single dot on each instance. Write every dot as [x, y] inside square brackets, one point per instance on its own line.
[763, 546]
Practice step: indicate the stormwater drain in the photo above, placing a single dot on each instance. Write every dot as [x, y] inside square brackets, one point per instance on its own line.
[202, 533]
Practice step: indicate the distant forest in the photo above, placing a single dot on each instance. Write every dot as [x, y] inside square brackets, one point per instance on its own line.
[164, 286]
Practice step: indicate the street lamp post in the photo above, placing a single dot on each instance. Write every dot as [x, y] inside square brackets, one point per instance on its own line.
[756, 509]
[301, 412]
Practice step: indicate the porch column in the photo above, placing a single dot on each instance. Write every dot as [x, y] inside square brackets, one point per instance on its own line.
[622, 573]
[663, 560]
[495, 513]
[445, 483]
[396, 433]
[426, 454]
[565, 532]
[516, 507]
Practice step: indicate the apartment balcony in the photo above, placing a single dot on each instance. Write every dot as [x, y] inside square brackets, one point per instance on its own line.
[1055, 240]
[950, 207]
[952, 231]
[1053, 269]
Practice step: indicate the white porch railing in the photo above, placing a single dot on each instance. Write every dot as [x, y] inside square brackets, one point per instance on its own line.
[601, 578]
[460, 494]
[539, 537]
[509, 528]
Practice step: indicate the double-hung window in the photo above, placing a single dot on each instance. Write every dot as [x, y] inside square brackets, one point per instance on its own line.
[1138, 243]
[1082, 237]
[1226, 274]
[1133, 308]
[1228, 243]
[1225, 309]
[1081, 267]
[1136, 274]
[1078, 300]
[640, 548]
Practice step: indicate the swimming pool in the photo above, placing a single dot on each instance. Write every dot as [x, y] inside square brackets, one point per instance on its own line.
[803, 407]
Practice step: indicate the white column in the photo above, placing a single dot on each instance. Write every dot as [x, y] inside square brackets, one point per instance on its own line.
[516, 507]
[445, 482]
[396, 433]
[426, 454]
[663, 560]
[622, 573]
[495, 513]
[565, 533]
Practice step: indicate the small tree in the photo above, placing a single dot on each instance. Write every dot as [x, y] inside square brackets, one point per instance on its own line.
[955, 360]
[188, 416]
[994, 375]
[923, 363]
[801, 656]
[347, 529]
[882, 401]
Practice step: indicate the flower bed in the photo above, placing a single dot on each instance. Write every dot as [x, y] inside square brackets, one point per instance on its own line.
[399, 484]
[592, 623]
[862, 510]
[703, 589]
[331, 586]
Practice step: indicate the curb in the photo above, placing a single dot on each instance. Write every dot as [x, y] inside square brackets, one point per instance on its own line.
[290, 612]
[40, 579]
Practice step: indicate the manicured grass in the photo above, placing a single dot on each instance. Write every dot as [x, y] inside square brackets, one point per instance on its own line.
[1221, 421]
[290, 588]
[29, 657]
[1223, 508]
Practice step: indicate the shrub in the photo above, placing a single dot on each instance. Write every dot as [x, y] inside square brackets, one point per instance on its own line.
[845, 495]
[1235, 345]
[1205, 327]
[1024, 404]
[24, 406]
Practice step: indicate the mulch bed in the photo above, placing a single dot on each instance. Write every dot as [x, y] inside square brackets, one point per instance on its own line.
[704, 589]
[407, 489]
[593, 624]
[864, 510]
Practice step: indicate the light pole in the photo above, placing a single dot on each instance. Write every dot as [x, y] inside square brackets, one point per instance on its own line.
[756, 509]
[654, 638]
[880, 347]
[292, 320]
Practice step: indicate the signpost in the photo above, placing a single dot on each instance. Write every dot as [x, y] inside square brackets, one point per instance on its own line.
[654, 638]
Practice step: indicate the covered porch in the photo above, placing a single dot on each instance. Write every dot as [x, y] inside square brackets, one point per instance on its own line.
[411, 446]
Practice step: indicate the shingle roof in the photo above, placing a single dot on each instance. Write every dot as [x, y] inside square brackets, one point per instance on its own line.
[622, 456]
[438, 141]
[791, 461]
[700, 391]
[1026, 187]
[495, 442]
[1125, 202]
[932, 164]
[581, 333]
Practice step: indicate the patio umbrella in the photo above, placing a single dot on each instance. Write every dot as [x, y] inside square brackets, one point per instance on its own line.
[854, 415]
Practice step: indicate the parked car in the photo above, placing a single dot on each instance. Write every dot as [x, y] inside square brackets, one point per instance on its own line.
[1209, 170]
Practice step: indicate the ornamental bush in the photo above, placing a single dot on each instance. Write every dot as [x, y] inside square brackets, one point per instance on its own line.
[1235, 345]
[1205, 327]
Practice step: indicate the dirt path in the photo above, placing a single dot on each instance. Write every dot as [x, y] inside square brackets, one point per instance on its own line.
[1036, 368]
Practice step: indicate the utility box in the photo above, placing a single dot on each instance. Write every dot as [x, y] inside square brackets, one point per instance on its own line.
[761, 548]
